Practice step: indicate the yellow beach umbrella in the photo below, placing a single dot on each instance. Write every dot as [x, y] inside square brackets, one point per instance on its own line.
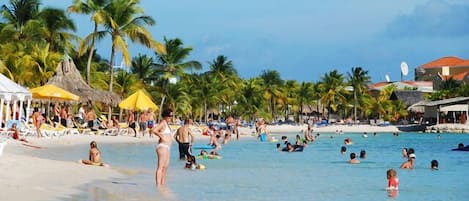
[50, 91]
[138, 101]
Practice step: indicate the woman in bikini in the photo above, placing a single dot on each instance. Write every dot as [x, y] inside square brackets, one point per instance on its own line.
[163, 131]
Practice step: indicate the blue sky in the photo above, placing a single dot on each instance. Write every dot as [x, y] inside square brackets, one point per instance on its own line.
[304, 39]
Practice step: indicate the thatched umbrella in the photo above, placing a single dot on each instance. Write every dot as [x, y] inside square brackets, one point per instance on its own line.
[68, 77]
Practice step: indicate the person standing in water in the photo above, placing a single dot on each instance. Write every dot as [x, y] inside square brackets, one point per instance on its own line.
[185, 139]
[163, 132]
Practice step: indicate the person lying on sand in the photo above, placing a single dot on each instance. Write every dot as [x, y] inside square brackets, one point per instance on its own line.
[94, 156]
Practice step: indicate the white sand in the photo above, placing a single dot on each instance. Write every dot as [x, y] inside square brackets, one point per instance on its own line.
[25, 177]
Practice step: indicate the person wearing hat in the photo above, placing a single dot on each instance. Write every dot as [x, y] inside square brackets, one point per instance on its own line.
[409, 164]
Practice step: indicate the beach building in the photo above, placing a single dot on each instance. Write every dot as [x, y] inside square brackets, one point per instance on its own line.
[424, 87]
[445, 67]
[452, 110]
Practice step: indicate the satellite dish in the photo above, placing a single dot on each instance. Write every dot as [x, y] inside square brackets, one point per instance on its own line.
[404, 68]
[387, 78]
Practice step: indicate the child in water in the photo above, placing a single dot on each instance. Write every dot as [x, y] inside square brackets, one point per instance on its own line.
[192, 164]
[393, 181]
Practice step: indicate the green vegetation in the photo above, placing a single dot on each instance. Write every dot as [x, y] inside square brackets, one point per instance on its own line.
[33, 39]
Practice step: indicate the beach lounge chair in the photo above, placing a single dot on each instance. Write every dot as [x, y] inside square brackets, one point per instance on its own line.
[3, 143]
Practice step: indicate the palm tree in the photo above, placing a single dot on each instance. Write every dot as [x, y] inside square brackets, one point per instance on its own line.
[251, 97]
[332, 86]
[126, 83]
[96, 9]
[272, 85]
[359, 80]
[204, 90]
[222, 67]
[142, 67]
[289, 101]
[305, 96]
[123, 21]
[19, 13]
[171, 63]
[228, 78]
[56, 24]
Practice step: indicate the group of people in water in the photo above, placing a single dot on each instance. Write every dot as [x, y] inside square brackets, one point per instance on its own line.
[185, 139]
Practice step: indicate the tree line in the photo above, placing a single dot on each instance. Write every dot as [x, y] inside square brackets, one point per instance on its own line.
[33, 39]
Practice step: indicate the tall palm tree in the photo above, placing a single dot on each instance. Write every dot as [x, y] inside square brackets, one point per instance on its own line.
[204, 90]
[222, 67]
[19, 13]
[251, 98]
[123, 20]
[359, 79]
[96, 9]
[272, 85]
[289, 101]
[171, 63]
[56, 29]
[305, 96]
[332, 86]
[228, 78]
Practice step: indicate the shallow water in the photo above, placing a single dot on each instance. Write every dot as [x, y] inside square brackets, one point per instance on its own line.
[251, 170]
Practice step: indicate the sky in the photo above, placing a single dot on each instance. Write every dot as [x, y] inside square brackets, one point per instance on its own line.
[305, 39]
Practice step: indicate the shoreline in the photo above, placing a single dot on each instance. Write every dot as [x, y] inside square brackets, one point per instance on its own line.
[44, 179]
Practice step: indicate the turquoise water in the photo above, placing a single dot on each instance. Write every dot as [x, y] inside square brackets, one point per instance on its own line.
[251, 170]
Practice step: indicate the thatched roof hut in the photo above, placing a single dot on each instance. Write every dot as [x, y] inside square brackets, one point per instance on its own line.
[68, 77]
[409, 97]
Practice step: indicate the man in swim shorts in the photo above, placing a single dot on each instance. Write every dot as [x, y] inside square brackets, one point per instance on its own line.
[185, 139]
[94, 156]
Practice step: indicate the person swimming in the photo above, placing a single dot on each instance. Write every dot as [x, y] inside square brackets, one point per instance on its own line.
[363, 154]
[343, 149]
[353, 159]
[434, 165]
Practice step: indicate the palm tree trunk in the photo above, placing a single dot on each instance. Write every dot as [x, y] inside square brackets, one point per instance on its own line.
[90, 56]
[355, 106]
[161, 107]
[111, 68]
[111, 80]
[205, 111]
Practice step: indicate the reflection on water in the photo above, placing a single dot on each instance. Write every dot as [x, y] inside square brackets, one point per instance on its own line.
[253, 171]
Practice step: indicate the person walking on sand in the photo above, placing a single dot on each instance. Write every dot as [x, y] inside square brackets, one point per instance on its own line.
[94, 157]
[142, 122]
[37, 121]
[163, 131]
[150, 120]
[185, 139]
[130, 119]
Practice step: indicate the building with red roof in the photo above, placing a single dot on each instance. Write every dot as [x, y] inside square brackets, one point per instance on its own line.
[452, 65]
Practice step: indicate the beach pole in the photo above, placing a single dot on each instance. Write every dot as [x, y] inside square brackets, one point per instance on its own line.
[1, 111]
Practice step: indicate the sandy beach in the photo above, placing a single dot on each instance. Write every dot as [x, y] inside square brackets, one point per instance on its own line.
[26, 177]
